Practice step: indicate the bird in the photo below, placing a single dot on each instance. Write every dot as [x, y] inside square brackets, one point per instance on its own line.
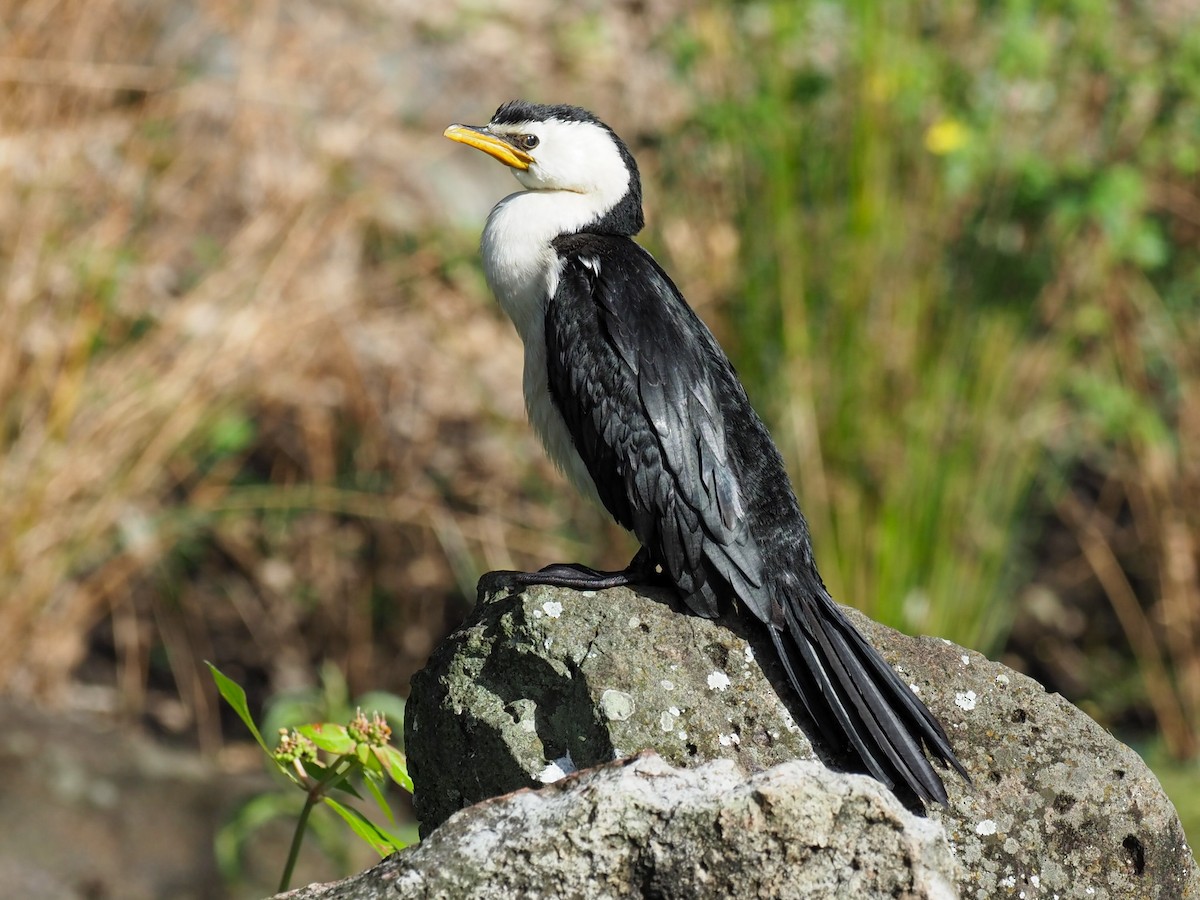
[637, 404]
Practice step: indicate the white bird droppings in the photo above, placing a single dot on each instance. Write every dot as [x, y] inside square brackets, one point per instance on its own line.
[718, 681]
[987, 826]
[552, 773]
[965, 700]
[966, 659]
[552, 608]
[557, 770]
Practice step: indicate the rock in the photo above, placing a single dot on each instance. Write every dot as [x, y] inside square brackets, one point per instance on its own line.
[640, 828]
[555, 676]
[542, 682]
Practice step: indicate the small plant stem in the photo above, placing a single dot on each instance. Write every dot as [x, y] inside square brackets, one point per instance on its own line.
[315, 793]
[298, 838]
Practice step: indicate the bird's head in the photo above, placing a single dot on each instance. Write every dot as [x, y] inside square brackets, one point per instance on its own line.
[563, 148]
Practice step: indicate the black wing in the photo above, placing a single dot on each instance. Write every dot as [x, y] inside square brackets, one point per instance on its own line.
[641, 382]
[679, 457]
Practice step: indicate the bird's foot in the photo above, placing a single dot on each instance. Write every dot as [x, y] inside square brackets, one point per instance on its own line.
[572, 575]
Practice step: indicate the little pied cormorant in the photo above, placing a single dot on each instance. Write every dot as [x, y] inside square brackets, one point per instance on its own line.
[638, 405]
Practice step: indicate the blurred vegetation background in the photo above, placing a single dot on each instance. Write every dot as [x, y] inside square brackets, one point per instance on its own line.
[256, 406]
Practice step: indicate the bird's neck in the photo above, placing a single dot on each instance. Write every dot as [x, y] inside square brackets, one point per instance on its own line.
[521, 266]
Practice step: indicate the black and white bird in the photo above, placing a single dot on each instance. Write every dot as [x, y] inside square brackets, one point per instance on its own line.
[638, 405]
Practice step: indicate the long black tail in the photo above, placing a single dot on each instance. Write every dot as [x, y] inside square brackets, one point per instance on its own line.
[857, 700]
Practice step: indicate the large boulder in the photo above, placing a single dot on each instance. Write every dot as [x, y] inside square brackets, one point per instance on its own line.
[641, 828]
[536, 684]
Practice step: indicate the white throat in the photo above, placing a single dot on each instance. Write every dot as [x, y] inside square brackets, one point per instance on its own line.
[519, 262]
[522, 270]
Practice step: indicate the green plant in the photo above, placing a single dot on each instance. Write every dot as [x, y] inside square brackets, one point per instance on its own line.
[912, 408]
[358, 751]
[328, 701]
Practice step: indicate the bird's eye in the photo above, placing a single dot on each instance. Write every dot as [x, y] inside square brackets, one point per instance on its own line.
[528, 141]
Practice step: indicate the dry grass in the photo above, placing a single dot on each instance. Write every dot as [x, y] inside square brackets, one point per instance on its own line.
[238, 348]
[1138, 527]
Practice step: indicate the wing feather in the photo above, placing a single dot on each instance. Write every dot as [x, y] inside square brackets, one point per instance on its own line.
[630, 369]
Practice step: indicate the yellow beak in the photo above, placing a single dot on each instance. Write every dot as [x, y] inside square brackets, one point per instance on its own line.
[490, 144]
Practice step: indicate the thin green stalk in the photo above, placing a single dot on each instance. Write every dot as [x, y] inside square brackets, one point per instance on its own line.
[298, 838]
[337, 774]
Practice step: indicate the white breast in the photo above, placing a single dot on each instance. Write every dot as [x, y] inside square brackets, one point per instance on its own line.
[522, 270]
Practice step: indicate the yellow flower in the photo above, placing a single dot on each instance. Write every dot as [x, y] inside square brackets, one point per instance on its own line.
[945, 136]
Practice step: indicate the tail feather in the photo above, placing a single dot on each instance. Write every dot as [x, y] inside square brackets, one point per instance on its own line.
[835, 730]
[930, 729]
[859, 695]
[889, 745]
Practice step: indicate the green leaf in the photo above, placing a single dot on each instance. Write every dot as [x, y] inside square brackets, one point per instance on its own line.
[232, 433]
[380, 840]
[370, 762]
[397, 766]
[315, 769]
[236, 697]
[379, 798]
[1148, 247]
[346, 787]
[337, 776]
[329, 736]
